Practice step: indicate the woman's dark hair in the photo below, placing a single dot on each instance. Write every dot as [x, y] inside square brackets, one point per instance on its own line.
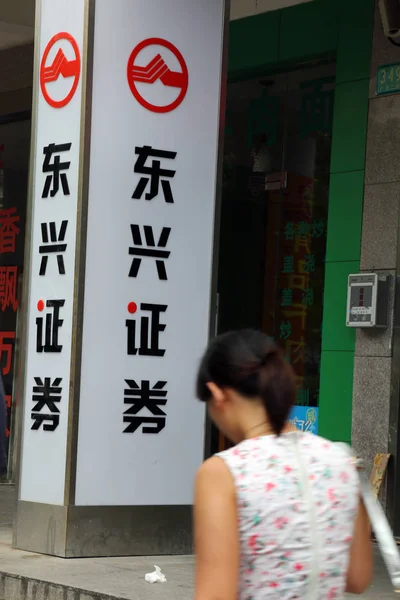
[253, 365]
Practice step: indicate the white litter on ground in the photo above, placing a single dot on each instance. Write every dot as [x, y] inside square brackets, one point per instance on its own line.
[156, 577]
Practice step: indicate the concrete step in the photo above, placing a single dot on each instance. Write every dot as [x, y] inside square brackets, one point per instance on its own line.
[115, 579]
[105, 579]
[29, 576]
[17, 587]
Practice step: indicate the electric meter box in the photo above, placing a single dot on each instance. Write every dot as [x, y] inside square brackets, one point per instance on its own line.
[367, 300]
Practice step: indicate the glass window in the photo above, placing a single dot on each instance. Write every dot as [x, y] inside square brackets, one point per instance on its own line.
[15, 131]
[274, 216]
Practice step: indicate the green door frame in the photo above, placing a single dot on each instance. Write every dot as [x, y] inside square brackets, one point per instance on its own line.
[281, 39]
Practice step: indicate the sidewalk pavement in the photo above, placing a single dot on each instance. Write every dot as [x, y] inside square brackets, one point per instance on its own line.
[28, 576]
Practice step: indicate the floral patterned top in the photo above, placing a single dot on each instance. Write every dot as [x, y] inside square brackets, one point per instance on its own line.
[297, 498]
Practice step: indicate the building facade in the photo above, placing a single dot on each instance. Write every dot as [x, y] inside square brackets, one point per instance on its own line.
[309, 196]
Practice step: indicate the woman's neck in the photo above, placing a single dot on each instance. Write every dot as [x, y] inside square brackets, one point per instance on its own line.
[265, 429]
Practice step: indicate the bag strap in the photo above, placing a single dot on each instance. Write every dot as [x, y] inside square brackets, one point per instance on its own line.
[380, 525]
[307, 497]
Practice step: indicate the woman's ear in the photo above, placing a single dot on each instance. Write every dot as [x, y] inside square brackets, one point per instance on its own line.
[217, 393]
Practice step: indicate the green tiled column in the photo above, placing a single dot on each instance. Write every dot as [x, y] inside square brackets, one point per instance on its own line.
[345, 215]
[345, 207]
[350, 126]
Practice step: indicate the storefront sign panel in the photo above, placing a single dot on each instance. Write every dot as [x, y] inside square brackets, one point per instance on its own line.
[152, 187]
[55, 167]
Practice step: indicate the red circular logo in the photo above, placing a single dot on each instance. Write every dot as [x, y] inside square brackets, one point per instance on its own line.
[69, 68]
[155, 68]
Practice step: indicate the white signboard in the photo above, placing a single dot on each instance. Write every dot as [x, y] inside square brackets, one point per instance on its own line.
[155, 123]
[55, 191]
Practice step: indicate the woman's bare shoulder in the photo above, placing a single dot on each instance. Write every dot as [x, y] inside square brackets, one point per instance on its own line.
[215, 471]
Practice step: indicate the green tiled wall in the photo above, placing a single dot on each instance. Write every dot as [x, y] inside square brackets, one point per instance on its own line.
[345, 214]
[346, 195]
[350, 126]
[321, 20]
[340, 28]
[336, 390]
[355, 40]
[253, 42]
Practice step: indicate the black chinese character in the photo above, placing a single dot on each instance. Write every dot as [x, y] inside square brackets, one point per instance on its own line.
[52, 245]
[53, 324]
[155, 173]
[141, 397]
[45, 394]
[55, 169]
[151, 251]
[149, 331]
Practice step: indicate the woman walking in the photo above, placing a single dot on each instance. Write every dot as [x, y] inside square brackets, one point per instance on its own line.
[279, 515]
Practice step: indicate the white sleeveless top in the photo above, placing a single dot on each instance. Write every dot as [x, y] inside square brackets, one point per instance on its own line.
[297, 498]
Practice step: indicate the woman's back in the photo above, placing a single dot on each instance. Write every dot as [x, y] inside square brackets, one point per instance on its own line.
[297, 498]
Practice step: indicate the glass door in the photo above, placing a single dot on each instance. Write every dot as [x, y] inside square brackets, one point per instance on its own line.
[274, 216]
